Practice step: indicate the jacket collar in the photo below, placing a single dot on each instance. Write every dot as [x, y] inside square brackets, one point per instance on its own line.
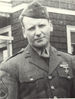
[44, 52]
[55, 60]
[39, 62]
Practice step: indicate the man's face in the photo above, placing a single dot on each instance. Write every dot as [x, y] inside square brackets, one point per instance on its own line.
[37, 31]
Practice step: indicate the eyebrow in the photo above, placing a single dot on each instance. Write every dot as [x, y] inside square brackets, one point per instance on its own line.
[32, 27]
[42, 24]
[29, 26]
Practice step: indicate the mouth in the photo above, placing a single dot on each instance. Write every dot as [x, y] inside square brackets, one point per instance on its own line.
[39, 38]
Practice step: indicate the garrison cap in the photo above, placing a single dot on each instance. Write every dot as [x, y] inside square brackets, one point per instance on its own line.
[35, 10]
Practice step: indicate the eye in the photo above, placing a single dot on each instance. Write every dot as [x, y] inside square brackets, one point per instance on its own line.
[42, 25]
[31, 28]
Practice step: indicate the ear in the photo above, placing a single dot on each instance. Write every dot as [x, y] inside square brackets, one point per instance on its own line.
[51, 26]
[24, 34]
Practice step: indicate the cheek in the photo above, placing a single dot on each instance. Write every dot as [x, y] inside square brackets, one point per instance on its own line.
[30, 37]
[47, 31]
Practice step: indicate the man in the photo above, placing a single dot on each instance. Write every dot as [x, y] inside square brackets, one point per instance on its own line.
[38, 71]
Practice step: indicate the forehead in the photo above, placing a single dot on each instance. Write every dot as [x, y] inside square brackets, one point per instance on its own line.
[33, 21]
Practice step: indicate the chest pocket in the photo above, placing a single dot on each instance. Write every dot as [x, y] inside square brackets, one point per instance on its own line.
[65, 71]
[32, 83]
[31, 75]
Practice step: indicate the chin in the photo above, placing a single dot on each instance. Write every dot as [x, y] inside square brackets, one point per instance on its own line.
[40, 45]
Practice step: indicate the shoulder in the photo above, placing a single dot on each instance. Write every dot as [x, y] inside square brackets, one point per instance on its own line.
[11, 65]
[73, 58]
[14, 56]
[19, 53]
[11, 62]
[64, 55]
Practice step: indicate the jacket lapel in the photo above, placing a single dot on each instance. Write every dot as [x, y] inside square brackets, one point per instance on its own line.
[35, 59]
[55, 60]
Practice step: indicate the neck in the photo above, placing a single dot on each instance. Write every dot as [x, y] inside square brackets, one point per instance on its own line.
[41, 50]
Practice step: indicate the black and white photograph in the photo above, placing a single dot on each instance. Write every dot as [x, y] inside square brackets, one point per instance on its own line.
[37, 49]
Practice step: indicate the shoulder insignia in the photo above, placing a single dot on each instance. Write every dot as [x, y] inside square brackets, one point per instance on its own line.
[3, 90]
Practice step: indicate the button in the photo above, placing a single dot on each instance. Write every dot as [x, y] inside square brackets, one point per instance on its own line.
[55, 97]
[31, 79]
[69, 77]
[49, 77]
[52, 87]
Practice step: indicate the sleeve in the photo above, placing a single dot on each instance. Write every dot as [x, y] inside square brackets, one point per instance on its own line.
[3, 90]
[8, 86]
[73, 64]
[73, 69]
[8, 80]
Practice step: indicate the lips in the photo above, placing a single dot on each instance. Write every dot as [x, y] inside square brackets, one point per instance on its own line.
[40, 38]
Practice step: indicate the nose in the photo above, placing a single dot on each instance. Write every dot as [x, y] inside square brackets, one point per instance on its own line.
[38, 31]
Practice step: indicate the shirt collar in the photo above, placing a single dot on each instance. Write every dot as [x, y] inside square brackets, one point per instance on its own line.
[43, 52]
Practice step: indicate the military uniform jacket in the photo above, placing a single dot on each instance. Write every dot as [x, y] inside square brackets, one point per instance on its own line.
[28, 76]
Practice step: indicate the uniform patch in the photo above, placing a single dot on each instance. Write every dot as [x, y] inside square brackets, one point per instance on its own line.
[65, 66]
[3, 90]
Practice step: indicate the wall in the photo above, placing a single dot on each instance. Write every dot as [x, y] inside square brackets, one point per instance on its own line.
[19, 41]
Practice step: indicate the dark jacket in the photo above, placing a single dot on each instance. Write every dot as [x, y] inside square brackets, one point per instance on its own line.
[27, 76]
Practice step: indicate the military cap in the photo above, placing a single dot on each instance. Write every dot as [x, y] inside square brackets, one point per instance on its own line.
[35, 10]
